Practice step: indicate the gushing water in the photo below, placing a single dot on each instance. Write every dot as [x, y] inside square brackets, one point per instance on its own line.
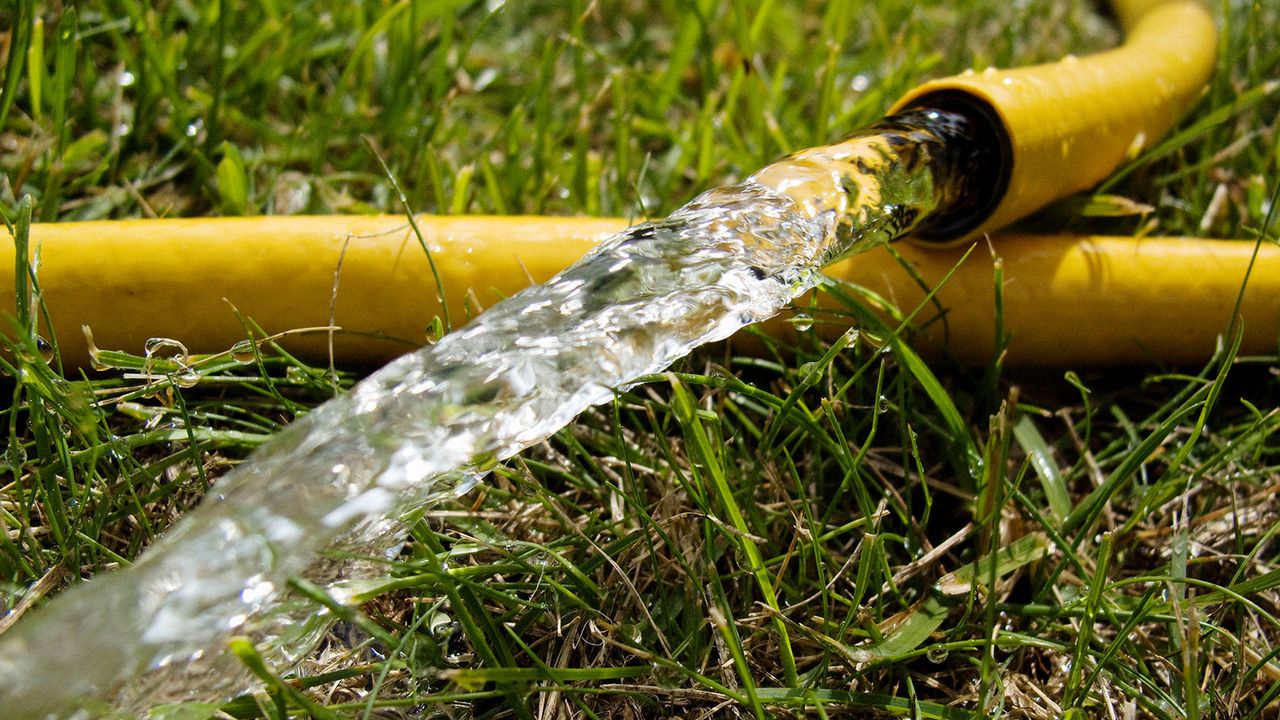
[427, 425]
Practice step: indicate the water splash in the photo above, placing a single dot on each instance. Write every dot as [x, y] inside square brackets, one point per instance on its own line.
[429, 424]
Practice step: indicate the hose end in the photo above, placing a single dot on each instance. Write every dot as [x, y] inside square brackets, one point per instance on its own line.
[977, 162]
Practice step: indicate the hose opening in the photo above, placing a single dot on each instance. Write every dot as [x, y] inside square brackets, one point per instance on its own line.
[978, 159]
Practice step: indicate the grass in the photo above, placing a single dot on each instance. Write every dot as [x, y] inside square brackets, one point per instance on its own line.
[827, 531]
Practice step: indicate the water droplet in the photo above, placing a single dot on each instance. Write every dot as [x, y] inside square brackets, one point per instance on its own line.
[15, 454]
[45, 349]
[188, 378]
[802, 322]
[936, 654]
[156, 346]
[127, 78]
[882, 405]
[194, 127]
[860, 83]
[297, 375]
[243, 352]
[811, 373]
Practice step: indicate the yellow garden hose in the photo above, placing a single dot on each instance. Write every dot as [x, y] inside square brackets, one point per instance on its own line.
[1067, 300]
[1065, 126]
[1057, 128]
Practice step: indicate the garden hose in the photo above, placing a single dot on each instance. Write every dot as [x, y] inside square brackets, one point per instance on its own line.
[1046, 132]
[1064, 300]
[1063, 127]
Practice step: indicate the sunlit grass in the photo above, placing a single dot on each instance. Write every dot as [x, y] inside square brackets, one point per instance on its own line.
[816, 529]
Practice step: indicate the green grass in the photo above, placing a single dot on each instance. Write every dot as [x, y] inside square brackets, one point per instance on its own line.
[834, 532]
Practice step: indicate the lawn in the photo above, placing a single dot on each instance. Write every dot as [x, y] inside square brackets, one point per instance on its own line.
[818, 530]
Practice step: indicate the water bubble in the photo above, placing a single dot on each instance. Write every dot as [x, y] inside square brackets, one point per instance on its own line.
[243, 352]
[937, 654]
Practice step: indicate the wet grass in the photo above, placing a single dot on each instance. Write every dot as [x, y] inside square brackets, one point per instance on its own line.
[823, 530]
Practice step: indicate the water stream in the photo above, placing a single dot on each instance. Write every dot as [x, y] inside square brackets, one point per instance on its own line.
[428, 425]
